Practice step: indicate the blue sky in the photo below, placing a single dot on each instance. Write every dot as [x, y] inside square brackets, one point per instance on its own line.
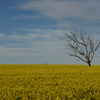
[32, 31]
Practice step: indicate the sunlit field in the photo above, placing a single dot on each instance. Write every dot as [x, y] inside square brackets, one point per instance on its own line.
[49, 82]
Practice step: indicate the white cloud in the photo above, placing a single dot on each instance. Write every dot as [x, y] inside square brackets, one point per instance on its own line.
[32, 48]
[3, 36]
[35, 34]
[15, 52]
[24, 17]
[57, 9]
[52, 49]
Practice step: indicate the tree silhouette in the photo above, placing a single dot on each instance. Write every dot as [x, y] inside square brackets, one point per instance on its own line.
[82, 45]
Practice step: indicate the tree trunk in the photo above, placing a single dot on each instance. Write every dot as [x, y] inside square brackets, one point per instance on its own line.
[89, 63]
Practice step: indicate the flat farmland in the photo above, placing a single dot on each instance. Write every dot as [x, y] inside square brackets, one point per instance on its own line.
[49, 82]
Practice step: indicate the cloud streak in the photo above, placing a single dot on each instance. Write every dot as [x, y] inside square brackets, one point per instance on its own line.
[29, 46]
[56, 9]
[52, 49]
[35, 35]
[23, 17]
[40, 41]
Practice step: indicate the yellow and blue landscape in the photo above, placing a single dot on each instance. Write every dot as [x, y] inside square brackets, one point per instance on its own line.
[34, 60]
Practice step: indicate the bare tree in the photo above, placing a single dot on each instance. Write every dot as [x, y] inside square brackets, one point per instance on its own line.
[82, 45]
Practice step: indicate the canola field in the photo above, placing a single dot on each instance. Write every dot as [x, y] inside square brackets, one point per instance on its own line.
[49, 82]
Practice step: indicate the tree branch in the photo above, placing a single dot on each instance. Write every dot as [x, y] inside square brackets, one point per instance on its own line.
[78, 57]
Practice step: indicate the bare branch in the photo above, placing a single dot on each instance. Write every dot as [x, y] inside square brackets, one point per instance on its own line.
[97, 46]
[83, 45]
[78, 57]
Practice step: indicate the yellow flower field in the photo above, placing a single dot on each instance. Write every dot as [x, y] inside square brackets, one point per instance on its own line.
[49, 82]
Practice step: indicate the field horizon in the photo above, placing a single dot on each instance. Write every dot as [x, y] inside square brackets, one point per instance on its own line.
[49, 82]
